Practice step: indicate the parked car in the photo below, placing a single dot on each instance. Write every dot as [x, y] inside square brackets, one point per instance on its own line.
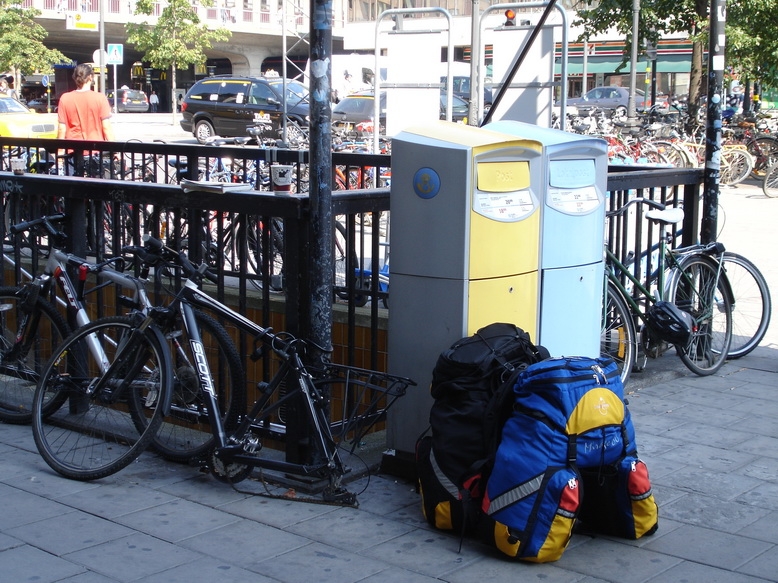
[226, 105]
[41, 105]
[130, 100]
[610, 98]
[461, 86]
[18, 121]
[358, 109]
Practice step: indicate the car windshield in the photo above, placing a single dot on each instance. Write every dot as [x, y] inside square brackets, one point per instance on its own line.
[295, 92]
[10, 105]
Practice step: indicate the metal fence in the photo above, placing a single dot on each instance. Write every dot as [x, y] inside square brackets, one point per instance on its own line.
[255, 241]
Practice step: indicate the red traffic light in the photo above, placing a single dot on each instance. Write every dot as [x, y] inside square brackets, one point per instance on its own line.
[510, 18]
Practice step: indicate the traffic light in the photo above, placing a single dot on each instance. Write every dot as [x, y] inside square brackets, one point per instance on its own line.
[510, 18]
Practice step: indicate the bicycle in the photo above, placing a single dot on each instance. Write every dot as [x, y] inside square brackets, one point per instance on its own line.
[33, 328]
[366, 398]
[690, 308]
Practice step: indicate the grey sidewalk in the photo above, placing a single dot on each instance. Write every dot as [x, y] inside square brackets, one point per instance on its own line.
[711, 445]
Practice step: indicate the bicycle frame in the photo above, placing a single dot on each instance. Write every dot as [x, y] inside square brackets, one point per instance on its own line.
[230, 448]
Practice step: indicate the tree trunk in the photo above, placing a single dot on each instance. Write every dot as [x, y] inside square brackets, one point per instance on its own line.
[173, 95]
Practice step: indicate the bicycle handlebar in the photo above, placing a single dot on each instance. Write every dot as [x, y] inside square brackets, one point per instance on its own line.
[45, 221]
[639, 200]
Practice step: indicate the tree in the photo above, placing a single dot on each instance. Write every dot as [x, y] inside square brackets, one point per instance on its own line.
[657, 18]
[21, 41]
[178, 38]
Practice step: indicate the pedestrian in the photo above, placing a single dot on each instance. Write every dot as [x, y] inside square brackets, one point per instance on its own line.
[83, 114]
[5, 87]
[154, 101]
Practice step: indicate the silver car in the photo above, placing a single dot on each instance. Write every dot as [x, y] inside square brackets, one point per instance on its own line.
[615, 98]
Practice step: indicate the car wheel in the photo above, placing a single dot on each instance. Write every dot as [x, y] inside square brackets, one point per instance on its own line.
[203, 130]
[294, 133]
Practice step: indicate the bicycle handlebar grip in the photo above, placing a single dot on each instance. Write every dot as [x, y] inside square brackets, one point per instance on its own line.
[27, 225]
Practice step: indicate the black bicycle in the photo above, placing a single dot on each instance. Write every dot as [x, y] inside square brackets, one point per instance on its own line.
[130, 391]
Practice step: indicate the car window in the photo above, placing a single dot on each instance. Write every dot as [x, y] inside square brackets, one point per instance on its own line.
[233, 92]
[296, 93]
[204, 92]
[355, 105]
[260, 94]
[10, 105]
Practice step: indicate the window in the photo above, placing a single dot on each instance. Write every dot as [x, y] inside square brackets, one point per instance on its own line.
[260, 94]
[233, 92]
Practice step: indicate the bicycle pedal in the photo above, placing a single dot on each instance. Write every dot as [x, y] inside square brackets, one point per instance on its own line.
[340, 496]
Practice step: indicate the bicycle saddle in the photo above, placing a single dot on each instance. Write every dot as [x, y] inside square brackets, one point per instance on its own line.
[669, 216]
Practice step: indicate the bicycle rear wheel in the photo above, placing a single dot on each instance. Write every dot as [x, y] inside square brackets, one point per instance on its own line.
[617, 335]
[186, 434]
[93, 435]
[21, 363]
[751, 306]
[764, 149]
[697, 288]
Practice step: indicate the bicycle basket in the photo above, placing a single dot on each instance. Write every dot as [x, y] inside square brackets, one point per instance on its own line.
[359, 399]
[671, 324]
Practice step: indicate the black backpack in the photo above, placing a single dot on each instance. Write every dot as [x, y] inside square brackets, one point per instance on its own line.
[472, 386]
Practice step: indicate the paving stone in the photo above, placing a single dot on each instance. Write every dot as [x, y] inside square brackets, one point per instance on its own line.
[177, 520]
[69, 532]
[713, 512]
[704, 457]
[765, 565]
[26, 563]
[725, 486]
[709, 547]
[765, 495]
[111, 500]
[766, 529]
[132, 558]
[21, 507]
[207, 569]
[690, 572]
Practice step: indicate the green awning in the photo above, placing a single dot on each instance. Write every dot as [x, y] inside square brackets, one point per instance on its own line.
[664, 64]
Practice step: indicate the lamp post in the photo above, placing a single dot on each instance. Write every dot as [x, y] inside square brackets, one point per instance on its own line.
[631, 110]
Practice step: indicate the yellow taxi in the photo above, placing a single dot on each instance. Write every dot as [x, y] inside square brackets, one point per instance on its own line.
[16, 121]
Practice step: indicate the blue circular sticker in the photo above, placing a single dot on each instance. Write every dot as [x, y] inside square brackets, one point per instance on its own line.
[426, 183]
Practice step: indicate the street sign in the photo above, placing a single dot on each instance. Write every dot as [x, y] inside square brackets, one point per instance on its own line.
[45, 80]
[115, 54]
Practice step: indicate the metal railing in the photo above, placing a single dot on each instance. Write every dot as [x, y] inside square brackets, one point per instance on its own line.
[243, 233]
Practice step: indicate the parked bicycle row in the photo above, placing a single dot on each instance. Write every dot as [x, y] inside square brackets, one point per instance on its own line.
[168, 374]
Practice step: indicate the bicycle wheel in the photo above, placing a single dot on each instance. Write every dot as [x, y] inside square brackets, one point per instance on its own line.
[185, 434]
[256, 236]
[764, 149]
[770, 182]
[22, 363]
[342, 264]
[617, 334]
[751, 306]
[106, 369]
[697, 288]
[736, 166]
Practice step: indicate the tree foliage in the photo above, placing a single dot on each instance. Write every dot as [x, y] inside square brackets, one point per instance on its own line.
[751, 29]
[21, 41]
[178, 39]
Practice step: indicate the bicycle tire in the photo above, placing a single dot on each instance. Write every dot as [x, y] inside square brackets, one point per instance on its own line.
[764, 149]
[736, 166]
[692, 290]
[770, 182]
[185, 433]
[19, 378]
[93, 435]
[618, 337]
[752, 305]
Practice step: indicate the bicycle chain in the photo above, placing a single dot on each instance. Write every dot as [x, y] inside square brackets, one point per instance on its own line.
[348, 499]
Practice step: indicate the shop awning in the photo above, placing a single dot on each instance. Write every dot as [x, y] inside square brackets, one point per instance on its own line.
[664, 64]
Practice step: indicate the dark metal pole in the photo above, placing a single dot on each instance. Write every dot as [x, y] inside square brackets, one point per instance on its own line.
[320, 260]
[718, 15]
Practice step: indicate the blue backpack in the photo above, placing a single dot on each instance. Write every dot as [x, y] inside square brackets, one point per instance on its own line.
[570, 431]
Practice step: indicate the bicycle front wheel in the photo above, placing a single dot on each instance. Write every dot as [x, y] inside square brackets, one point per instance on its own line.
[109, 372]
[698, 288]
[617, 335]
[751, 306]
[30, 334]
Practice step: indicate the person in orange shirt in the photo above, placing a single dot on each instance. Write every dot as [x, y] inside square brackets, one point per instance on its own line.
[84, 114]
